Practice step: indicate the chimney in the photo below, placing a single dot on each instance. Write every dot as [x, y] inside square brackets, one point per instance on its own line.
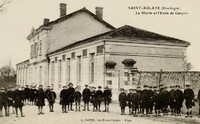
[62, 9]
[45, 21]
[99, 12]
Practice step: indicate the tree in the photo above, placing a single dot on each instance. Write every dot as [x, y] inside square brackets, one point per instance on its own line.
[7, 76]
[3, 3]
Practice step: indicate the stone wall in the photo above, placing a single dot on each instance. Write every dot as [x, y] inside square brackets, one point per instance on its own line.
[170, 78]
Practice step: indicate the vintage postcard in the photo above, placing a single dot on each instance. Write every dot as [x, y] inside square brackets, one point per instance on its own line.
[99, 61]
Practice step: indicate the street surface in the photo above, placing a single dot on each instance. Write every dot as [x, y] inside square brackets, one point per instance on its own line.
[85, 117]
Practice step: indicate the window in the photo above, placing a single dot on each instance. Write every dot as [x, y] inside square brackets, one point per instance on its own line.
[63, 57]
[59, 71]
[85, 53]
[126, 83]
[92, 67]
[56, 59]
[109, 74]
[100, 49]
[52, 72]
[68, 69]
[40, 49]
[73, 55]
[109, 82]
[40, 75]
[126, 74]
[79, 68]
[31, 51]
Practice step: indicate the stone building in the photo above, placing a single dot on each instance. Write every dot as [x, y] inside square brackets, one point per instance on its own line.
[82, 48]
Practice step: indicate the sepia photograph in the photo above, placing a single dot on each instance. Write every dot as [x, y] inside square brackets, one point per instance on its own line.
[99, 61]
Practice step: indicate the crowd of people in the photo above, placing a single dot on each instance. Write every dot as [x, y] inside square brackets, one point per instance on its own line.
[146, 101]
[69, 96]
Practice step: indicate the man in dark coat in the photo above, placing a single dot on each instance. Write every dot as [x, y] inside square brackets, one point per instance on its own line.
[151, 103]
[31, 95]
[27, 95]
[51, 97]
[129, 100]
[122, 101]
[172, 100]
[93, 98]
[3, 101]
[10, 97]
[157, 101]
[47, 90]
[40, 97]
[71, 91]
[164, 100]
[178, 97]
[139, 92]
[86, 98]
[189, 100]
[99, 97]
[107, 98]
[22, 89]
[198, 97]
[145, 100]
[64, 99]
[34, 94]
[77, 99]
[134, 101]
[18, 101]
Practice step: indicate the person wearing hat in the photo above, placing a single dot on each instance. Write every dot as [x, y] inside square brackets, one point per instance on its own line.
[18, 101]
[172, 100]
[99, 97]
[145, 101]
[64, 99]
[157, 102]
[122, 100]
[189, 100]
[151, 103]
[40, 98]
[10, 94]
[93, 98]
[3, 101]
[71, 91]
[27, 95]
[130, 101]
[51, 97]
[47, 91]
[86, 97]
[139, 93]
[134, 100]
[164, 100]
[77, 99]
[107, 94]
[178, 98]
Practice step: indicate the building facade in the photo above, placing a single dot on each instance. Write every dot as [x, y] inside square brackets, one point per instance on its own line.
[82, 48]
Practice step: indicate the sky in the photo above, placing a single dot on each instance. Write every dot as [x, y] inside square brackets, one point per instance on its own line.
[18, 18]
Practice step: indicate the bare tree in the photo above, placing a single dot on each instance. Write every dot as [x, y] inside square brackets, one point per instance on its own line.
[7, 75]
[3, 3]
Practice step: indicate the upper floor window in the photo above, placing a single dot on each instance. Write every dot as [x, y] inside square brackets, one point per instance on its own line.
[100, 49]
[56, 59]
[63, 57]
[73, 55]
[85, 53]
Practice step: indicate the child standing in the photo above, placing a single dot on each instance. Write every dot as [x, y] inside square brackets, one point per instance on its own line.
[77, 99]
[122, 101]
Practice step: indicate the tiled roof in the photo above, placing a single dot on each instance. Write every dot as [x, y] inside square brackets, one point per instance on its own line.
[128, 33]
